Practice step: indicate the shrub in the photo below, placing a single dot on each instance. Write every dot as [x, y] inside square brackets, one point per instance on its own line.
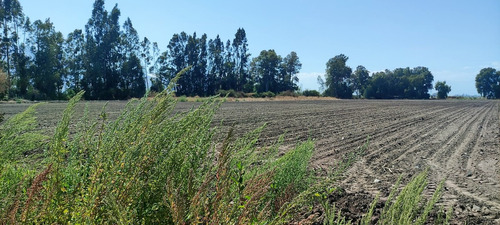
[311, 93]
[182, 98]
[267, 94]
[288, 93]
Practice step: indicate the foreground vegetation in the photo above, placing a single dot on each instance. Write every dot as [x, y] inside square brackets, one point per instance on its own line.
[153, 166]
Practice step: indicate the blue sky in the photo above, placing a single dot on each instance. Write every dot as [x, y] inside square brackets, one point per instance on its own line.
[454, 39]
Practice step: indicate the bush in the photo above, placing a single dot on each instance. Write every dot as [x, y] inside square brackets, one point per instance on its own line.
[288, 93]
[182, 98]
[311, 93]
[267, 94]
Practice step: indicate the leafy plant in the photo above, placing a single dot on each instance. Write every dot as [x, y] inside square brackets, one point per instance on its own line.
[311, 93]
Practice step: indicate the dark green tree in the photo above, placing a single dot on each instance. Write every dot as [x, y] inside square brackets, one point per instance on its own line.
[290, 68]
[95, 65]
[12, 20]
[200, 68]
[360, 80]
[338, 77]
[488, 83]
[442, 89]
[380, 86]
[400, 83]
[131, 81]
[215, 65]
[229, 79]
[173, 61]
[240, 59]
[74, 53]
[266, 70]
[102, 64]
[47, 70]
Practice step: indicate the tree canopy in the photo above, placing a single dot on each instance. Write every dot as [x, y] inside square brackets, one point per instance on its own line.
[488, 83]
[109, 60]
[338, 77]
[442, 89]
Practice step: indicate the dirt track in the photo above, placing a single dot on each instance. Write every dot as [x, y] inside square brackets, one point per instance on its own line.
[458, 141]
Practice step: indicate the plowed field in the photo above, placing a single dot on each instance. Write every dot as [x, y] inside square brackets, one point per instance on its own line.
[457, 140]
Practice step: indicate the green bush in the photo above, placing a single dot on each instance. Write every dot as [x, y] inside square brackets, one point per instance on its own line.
[182, 98]
[267, 94]
[311, 93]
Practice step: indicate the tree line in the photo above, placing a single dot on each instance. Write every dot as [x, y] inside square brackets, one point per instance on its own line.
[408, 83]
[109, 60]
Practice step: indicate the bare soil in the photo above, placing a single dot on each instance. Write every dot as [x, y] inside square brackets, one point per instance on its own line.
[457, 140]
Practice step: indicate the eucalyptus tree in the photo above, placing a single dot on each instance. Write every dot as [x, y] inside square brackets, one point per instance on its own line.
[266, 70]
[360, 79]
[240, 59]
[338, 77]
[291, 66]
[74, 53]
[215, 65]
[47, 69]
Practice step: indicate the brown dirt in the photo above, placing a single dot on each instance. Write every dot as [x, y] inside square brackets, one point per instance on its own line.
[458, 141]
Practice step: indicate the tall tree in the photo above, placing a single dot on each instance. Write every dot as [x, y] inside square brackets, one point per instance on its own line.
[215, 65]
[338, 76]
[146, 58]
[47, 69]
[74, 50]
[154, 70]
[131, 81]
[442, 89]
[174, 60]
[229, 79]
[290, 68]
[95, 66]
[266, 70]
[240, 59]
[12, 18]
[201, 67]
[102, 66]
[487, 83]
[360, 79]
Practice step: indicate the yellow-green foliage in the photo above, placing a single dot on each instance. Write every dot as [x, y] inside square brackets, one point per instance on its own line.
[410, 207]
